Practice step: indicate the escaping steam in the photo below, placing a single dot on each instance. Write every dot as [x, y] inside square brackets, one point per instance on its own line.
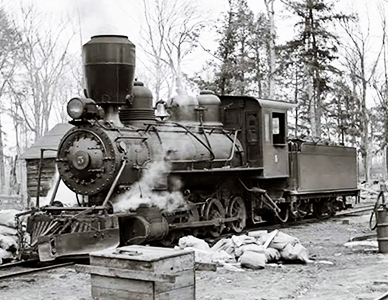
[151, 190]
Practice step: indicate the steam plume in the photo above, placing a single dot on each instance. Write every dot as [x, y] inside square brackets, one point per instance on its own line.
[145, 191]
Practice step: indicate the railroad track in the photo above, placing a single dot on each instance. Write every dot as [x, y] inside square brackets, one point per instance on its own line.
[20, 268]
[354, 210]
[269, 227]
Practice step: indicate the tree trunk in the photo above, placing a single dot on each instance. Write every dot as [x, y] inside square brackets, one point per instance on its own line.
[386, 163]
[311, 100]
[271, 48]
[2, 168]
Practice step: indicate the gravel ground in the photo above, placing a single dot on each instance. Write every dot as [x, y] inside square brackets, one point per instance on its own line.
[337, 272]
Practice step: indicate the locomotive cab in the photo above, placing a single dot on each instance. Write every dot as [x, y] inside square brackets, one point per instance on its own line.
[263, 132]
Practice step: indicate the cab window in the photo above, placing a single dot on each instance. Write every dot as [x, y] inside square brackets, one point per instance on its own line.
[278, 128]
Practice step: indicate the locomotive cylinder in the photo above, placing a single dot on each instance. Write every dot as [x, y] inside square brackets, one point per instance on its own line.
[109, 62]
[147, 225]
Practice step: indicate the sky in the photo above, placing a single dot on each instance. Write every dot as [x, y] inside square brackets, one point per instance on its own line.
[123, 17]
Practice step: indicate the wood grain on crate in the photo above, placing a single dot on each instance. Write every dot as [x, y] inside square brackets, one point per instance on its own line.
[153, 259]
[141, 272]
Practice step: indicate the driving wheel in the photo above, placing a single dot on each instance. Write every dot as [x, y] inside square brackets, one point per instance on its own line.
[214, 210]
[236, 208]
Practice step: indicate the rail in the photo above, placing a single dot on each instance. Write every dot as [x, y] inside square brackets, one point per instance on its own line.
[8, 270]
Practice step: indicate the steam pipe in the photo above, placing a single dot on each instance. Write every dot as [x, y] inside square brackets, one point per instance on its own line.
[233, 146]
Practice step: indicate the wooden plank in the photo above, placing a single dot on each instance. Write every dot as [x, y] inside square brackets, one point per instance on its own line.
[382, 297]
[186, 293]
[47, 175]
[120, 263]
[183, 279]
[363, 237]
[205, 267]
[124, 273]
[160, 261]
[120, 284]
[100, 293]
[176, 264]
[142, 253]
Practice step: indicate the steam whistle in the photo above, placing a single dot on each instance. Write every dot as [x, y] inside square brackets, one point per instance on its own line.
[160, 110]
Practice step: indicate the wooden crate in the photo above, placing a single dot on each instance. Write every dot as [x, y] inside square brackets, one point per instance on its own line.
[142, 272]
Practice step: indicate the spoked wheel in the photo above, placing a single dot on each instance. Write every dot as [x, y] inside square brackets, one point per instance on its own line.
[214, 210]
[236, 208]
[324, 209]
[171, 239]
[373, 217]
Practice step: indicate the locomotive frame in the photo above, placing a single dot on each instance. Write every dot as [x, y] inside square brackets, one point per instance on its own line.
[227, 158]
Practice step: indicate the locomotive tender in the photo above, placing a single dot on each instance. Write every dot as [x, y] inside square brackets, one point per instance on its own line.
[195, 165]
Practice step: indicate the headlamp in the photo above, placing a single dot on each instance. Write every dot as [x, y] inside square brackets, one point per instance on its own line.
[75, 108]
[82, 108]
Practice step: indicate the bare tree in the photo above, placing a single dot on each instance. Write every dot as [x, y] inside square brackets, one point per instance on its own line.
[69, 85]
[43, 64]
[9, 44]
[380, 84]
[271, 47]
[356, 56]
[170, 34]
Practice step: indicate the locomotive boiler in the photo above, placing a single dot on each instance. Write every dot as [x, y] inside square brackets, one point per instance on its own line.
[190, 165]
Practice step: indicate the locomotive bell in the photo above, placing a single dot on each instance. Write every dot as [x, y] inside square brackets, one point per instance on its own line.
[109, 64]
[161, 110]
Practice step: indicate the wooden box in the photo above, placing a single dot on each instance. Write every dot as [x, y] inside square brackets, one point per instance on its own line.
[142, 273]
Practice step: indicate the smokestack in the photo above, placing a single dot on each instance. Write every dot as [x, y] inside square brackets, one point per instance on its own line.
[109, 67]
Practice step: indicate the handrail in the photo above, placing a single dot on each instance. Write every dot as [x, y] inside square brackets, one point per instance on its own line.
[42, 150]
[114, 183]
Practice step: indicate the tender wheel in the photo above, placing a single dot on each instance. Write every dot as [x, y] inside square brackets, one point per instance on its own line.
[299, 209]
[236, 208]
[214, 210]
[324, 209]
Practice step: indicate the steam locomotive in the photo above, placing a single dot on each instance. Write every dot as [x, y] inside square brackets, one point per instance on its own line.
[190, 165]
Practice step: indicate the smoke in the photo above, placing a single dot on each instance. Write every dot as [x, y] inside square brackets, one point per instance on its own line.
[151, 190]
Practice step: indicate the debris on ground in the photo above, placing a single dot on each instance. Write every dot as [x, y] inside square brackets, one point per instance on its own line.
[367, 243]
[252, 251]
[8, 235]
